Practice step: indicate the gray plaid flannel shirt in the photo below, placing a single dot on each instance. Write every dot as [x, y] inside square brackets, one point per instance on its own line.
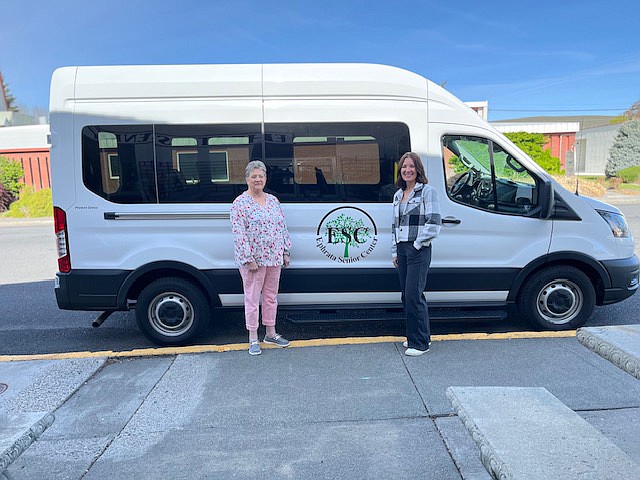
[421, 222]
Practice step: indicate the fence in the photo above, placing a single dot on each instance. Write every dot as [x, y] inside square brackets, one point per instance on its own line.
[35, 163]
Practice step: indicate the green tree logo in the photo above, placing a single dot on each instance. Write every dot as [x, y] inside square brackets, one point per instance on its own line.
[347, 230]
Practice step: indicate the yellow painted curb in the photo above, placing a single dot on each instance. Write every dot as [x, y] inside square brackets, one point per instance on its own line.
[319, 342]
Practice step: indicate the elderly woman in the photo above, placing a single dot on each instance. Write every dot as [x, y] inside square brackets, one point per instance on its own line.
[262, 245]
[416, 222]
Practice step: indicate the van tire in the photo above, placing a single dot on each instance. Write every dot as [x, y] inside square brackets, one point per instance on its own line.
[557, 298]
[172, 311]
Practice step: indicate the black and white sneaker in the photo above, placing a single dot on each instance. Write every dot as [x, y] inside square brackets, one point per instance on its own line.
[278, 340]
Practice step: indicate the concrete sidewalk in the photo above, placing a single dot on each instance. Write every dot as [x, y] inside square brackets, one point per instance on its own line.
[616, 198]
[24, 222]
[362, 411]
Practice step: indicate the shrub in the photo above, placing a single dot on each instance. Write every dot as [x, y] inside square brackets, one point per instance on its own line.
[625, 151]
[533, 145]
[11, 173]
[630, 175]
[5, 198]
[550, 163]
[615, 182]
[32, 204]
[457, 165]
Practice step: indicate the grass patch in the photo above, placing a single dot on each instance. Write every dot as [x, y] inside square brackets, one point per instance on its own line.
[629, 187]
[32, 204]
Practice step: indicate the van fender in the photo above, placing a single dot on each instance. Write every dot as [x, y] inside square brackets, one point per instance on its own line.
[592, 267]
[145, 274]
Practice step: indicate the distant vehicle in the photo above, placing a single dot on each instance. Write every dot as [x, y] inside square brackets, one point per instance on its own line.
[146, 161]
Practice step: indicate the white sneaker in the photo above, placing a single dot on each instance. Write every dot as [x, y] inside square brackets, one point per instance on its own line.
[412, 352]
[405, 344]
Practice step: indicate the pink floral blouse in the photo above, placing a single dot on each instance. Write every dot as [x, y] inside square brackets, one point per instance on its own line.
[259, 233]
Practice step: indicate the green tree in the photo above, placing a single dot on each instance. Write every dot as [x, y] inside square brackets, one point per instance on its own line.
[345, 229]
[533, 145]
[625, 151]
[634, 111]
[11, 173]
[11, 100]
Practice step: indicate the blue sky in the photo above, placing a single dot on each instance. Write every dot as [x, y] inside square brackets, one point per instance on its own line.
[525, 58]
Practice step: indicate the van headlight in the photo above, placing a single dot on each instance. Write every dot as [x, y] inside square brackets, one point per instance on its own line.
[617, 223]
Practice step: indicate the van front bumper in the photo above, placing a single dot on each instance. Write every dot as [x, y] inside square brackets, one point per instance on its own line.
[624, 279]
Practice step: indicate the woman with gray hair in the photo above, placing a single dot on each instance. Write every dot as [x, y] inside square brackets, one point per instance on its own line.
[262, 244]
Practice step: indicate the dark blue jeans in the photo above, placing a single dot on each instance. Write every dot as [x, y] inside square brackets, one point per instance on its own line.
[413, 267]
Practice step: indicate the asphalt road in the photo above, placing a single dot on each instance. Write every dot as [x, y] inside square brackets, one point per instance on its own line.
[31, 323]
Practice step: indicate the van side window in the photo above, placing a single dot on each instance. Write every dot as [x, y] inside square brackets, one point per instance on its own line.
[204, 163]
[168, 163]
[481, 174]
[333, 162]
[117, 163]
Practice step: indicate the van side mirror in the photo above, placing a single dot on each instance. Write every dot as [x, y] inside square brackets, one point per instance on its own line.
[546, 198]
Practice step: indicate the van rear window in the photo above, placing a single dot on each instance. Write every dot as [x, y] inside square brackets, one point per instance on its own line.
[168, 163]
[117, 163]
[337, 162]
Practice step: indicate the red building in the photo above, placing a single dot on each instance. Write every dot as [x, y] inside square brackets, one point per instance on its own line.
[29, 145]
[560, 136]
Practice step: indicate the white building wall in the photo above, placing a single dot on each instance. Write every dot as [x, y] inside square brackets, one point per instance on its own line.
[481, 108]
[592, 149]
[538, 127]
[24, 137]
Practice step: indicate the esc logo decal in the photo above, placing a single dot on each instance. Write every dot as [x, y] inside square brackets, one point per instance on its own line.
[347, 235]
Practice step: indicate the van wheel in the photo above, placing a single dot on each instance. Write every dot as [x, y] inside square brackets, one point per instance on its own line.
[171, 311]
[558, 298]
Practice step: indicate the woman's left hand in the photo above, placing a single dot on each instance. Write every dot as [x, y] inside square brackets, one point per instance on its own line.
[286, 259]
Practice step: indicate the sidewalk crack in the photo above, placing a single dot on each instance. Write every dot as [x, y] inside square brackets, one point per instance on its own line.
[108, 444]
[413, 382]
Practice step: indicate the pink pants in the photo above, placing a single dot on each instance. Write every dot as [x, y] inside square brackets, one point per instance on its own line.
[265, 280]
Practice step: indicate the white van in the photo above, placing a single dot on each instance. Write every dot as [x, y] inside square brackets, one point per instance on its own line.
[146, 161]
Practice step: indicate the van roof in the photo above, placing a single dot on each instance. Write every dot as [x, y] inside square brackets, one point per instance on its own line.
[97, 84]
[205, 81]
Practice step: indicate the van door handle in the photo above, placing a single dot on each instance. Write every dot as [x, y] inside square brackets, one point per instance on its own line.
[453, 220]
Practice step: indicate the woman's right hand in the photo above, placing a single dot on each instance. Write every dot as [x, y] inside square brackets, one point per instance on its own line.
[395, 262]
[253, 266]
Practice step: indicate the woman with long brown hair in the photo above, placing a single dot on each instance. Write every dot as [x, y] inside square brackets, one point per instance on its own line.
[416, 222]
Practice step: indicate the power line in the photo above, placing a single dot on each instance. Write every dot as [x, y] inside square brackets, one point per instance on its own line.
[559, 110]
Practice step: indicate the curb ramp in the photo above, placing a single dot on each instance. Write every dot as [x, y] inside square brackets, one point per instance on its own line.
[525, 432]
[620, 344]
